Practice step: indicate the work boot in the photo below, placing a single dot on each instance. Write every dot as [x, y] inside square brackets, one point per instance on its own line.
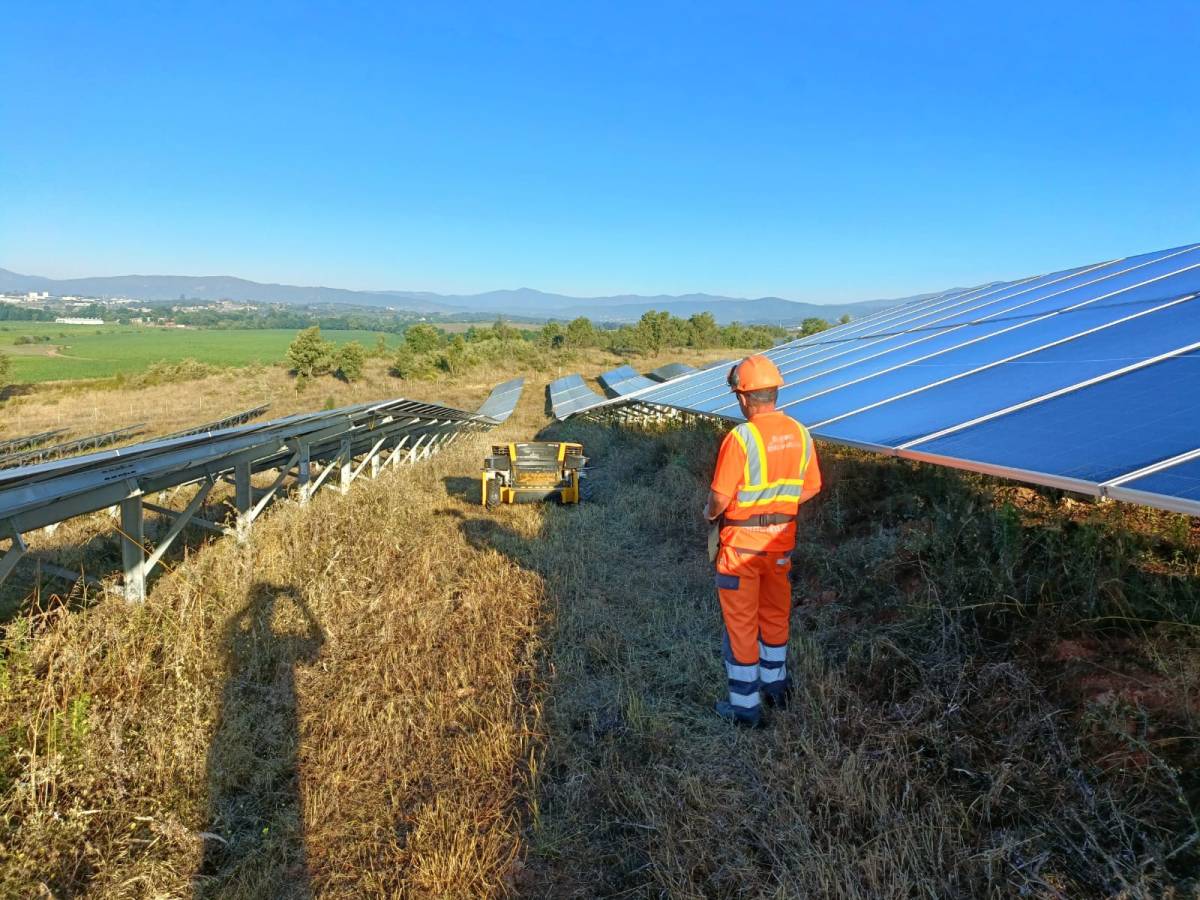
[739, 717]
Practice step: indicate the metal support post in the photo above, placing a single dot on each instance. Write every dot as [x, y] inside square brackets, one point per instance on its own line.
[243, 498]
[303, 470]
[394, 459]
[346, 461]
[12, 556]
[372, 456]
[133, 550]
[196, 520]
[270, 492]
[181, 522]
[414, 450]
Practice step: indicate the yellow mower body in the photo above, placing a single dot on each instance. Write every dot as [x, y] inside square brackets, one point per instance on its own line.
[532, 471]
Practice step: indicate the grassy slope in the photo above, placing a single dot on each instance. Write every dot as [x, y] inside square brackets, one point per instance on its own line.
[517, 702]
[86, 352]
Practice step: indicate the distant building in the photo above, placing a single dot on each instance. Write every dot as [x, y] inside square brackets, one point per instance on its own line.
[73, 320]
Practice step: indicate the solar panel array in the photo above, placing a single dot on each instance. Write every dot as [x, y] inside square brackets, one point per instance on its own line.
[30, 457]
[624, 380]
[1086, 379]
[345, 440]
[570, 395]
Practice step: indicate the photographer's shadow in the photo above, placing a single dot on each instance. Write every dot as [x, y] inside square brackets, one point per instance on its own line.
[254, 834]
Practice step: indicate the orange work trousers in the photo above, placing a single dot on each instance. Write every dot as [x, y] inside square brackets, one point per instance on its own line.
[756, 602]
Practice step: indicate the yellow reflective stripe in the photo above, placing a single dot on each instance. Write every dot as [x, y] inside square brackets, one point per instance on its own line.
[746, 465]
[772, 494]
[760, 452]
[805, 443]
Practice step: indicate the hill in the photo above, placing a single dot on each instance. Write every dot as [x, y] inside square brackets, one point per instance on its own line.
[520, 301]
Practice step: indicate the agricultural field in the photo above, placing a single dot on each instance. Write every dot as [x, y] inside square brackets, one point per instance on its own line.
[399, 693]
[70, 352]
[460, 327]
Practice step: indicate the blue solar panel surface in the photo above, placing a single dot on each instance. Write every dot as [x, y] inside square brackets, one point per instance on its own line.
[1086, 375]
[670, 371]
[502, 401]
[625, 380]
[1083, 435]
[570, 395]
[1181, 480]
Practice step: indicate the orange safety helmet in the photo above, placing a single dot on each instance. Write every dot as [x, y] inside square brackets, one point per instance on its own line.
[754, 373]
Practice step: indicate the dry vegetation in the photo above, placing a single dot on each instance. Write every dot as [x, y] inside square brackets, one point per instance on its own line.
[395, 693]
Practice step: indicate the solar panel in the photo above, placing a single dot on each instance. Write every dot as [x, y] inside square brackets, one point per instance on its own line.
[501, 403]
[570, 395]
[624, 380]
[1086, 378]
[670, 371]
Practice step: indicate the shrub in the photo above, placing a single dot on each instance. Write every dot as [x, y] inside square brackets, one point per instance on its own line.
[349, 361]
[423, 339]
[310, 354]
[407, 364]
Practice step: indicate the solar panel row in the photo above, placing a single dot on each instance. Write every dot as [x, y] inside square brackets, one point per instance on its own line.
[9, 446]
[1087, 378]
[502, 402]
[66, 448]
[345, 440]
[624, 380]
[670, 371]
[570, 395]
[226, 422]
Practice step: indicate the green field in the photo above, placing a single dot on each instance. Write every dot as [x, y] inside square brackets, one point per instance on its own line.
[460, 327]
[78, 351]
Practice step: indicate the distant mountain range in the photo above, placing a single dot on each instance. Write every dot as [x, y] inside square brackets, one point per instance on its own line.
[520, 302]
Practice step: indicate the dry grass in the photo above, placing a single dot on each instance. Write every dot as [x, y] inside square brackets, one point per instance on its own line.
[343, 706]
[395, 693]
[939, 749]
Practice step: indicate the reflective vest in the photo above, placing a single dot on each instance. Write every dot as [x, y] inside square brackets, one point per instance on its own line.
[764, 466]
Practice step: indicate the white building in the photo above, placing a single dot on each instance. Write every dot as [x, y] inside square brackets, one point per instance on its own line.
[72, 320]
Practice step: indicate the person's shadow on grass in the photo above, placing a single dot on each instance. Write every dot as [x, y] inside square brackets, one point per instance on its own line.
[254, 833]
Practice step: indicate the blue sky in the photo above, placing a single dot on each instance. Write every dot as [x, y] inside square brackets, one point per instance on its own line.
[816, 152]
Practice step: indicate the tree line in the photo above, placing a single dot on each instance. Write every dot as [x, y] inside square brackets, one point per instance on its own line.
[426, 350]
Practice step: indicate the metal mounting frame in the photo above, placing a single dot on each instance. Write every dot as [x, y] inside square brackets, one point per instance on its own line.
[351, 441]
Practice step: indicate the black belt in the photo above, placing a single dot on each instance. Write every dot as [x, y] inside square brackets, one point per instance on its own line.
[759, 520]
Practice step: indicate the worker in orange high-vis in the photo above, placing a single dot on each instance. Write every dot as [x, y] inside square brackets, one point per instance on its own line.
[766, 468]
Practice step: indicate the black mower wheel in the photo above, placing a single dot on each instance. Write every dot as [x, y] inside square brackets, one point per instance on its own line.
[491, 498]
